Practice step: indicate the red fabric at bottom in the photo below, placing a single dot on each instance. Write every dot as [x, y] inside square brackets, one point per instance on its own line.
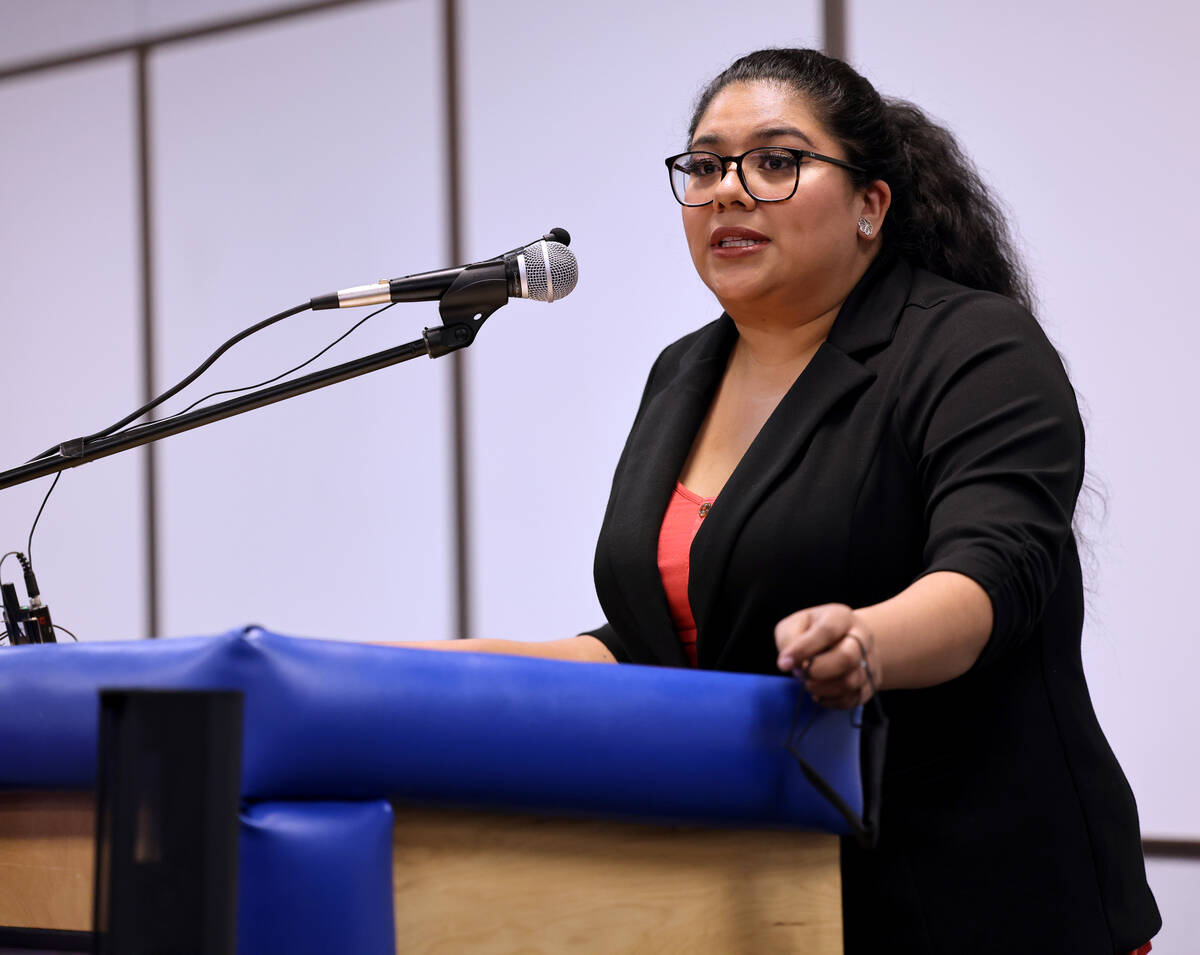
[685, 512]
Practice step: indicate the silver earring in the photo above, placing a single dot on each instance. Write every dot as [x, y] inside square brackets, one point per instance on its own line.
[865, 227]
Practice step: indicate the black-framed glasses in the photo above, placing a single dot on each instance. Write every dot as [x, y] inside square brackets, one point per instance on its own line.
[768, 173]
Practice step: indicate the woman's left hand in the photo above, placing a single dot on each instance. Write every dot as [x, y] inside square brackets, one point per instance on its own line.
[829, 648]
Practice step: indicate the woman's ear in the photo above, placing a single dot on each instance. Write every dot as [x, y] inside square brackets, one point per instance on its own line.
[873, 209]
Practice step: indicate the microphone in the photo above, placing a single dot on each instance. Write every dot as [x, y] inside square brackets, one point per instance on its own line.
[545, 271]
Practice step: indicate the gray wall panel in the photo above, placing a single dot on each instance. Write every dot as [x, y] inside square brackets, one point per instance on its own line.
[292, 160]
[69, 326]
[1073, 110]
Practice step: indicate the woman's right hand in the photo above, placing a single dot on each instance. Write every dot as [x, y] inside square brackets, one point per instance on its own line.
[829, 648]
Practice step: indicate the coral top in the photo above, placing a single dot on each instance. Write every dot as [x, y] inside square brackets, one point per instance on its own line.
[685, 513]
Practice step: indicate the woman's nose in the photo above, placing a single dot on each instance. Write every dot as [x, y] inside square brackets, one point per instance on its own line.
[730, 189]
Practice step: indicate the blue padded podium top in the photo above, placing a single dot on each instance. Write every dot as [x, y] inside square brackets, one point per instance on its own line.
[326, 720]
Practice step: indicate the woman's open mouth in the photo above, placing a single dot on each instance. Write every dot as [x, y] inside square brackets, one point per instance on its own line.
[739, 243]
[729, 241]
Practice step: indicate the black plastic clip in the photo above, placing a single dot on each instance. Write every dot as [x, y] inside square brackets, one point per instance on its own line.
[73, 448]
[471, 298]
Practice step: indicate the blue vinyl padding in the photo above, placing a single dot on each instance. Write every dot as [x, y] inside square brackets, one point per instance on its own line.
[326, 720]
[316, 878]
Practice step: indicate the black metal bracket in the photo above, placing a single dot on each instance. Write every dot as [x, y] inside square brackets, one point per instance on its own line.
[469, 301]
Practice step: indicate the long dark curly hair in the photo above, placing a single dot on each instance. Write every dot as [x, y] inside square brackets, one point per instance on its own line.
[943, 217]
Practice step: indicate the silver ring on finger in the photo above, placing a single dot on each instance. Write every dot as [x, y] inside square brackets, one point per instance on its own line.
[862, 648]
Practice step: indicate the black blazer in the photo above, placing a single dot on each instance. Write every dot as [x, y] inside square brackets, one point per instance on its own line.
[935, 429]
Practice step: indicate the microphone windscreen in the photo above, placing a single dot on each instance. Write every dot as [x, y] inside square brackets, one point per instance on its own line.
[551, 271]
[559, 234]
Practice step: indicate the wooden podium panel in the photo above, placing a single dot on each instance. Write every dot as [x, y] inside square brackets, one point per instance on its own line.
[47, 860]
[498, 882]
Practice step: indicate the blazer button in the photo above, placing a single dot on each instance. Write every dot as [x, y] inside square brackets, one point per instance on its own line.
[705, 508]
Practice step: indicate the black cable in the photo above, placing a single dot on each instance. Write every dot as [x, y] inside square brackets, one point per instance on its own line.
[11, 553]
[794, 740]
[28, 556]
[269, 381]
[29, 545]
[175, 389]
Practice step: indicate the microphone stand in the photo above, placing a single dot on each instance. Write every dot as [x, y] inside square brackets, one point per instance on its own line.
[468, 302]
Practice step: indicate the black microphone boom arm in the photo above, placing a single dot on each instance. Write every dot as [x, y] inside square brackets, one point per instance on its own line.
[472, 297]
[468, 294]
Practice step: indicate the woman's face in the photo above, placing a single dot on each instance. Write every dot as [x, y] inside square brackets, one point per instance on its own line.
[806, 252]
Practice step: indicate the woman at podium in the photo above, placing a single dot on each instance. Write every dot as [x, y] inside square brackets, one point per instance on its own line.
[863, 474]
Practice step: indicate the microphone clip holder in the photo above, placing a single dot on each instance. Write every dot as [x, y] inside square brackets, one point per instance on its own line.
[469, 301]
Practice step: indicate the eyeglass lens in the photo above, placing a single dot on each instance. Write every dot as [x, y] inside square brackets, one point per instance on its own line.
[767, 173]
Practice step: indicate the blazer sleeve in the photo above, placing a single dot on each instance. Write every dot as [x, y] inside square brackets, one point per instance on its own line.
[608, 636]
[993, 427]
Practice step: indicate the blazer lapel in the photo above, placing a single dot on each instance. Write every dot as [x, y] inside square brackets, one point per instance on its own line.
[867, 321]
[829, 377]
[649, 469]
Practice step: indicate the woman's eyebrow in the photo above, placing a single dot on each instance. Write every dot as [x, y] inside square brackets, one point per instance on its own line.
[772, 132]
[767, 132]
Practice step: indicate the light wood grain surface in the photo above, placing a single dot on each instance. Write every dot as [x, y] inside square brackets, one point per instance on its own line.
[500, 883]
[493, 883]
[47, 860]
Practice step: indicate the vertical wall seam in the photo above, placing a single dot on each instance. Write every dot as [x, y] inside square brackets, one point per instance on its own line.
[461, 570]
[149, 458]
[835, 28]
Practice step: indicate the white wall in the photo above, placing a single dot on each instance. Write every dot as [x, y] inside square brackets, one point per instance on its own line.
[70, 328]
[280, 176]
[1176, 887]
[1081, 114]
[569, 113]
[287, 160]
